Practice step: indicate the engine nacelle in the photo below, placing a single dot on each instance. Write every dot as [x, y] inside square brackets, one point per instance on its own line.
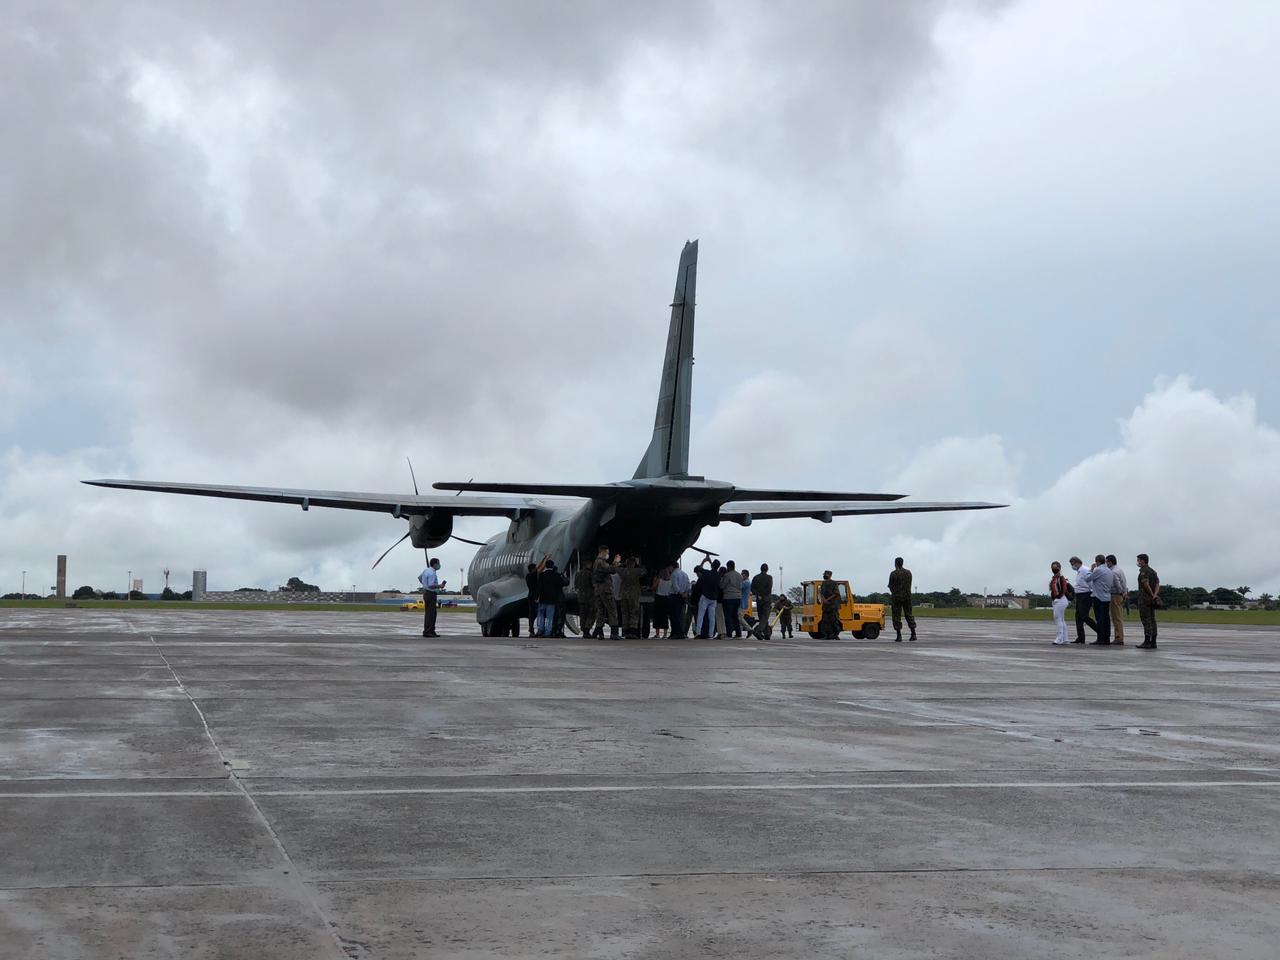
[430, 531]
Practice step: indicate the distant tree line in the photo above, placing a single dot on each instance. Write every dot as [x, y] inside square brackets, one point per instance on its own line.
[89, 593]
[1174, 597]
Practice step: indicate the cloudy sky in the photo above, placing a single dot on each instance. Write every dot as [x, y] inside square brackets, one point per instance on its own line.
[1021, 251]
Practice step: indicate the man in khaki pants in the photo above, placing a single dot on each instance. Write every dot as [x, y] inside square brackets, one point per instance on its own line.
[1119, 600]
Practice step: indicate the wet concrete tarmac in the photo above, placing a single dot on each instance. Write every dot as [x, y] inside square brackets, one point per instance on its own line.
[294, 785]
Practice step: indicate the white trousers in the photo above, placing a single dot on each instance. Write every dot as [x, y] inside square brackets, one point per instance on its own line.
[1060, 620]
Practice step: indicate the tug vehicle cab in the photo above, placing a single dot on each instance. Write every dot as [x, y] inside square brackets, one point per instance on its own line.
[863, 620]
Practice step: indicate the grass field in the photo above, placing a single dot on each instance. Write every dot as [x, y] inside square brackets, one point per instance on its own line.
[188, 605]
[1265, 618]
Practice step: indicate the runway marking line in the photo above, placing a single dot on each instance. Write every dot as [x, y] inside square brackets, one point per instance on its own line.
[657, 788]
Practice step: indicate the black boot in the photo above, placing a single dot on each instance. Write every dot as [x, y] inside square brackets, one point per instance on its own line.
[898, 636]
[912, 638]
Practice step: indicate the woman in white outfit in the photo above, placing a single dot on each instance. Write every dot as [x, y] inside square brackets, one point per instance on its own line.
[1058, 594]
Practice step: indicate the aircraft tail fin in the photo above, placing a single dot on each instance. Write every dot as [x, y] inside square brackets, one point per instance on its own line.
[668, 453]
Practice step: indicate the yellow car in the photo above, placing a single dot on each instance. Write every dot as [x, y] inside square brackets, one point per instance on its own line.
[863, 620]
[413, 605]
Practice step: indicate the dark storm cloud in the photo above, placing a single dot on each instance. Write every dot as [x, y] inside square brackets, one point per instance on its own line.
[303, 204]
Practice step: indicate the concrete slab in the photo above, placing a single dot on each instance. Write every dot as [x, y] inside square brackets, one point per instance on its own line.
[206, 922]
[1002, 915]
[239, 784]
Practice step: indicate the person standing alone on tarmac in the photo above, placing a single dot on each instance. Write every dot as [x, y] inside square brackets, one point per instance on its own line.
[829, 596]
[1119, 599]
[1084, 599]
[900, 594]
[1148, 601]
[1058, 588]
[1100, 581]
[431, 583]
[762, 587]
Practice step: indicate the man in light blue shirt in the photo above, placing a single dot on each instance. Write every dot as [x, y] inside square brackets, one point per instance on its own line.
[1101, 580]
[1084, 599]
[431, 583]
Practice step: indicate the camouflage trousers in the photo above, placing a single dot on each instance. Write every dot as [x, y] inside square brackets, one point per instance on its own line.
[1147, 614]
[586, 612]
[901, 607]
[829, 625]
[606, 612]
[630, 613]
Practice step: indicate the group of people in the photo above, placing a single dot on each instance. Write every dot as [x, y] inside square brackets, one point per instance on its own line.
[719, 595]
[1101, 597]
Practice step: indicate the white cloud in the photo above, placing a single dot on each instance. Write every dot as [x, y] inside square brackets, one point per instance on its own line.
[1192, 483]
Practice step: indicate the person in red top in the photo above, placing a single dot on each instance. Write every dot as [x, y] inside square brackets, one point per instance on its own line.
[1058, 594]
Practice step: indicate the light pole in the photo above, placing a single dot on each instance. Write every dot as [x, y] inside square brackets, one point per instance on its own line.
[128, 585]
[24, 585]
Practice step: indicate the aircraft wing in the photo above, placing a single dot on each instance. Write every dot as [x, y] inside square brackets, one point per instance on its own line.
[739, 510]
[397, 504]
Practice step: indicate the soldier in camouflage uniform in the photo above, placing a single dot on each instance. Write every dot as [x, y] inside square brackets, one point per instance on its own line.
[829, 596]
[629, 597]
[1148, 598]
[900, 593]
[602, 572]
[586, 598]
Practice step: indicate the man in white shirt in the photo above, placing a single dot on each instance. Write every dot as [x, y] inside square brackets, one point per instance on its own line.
[679, 599]
[431, 583]
[1084, 599]
[1119, 599]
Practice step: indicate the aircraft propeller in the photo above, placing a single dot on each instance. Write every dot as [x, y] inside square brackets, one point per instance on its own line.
[452, 536]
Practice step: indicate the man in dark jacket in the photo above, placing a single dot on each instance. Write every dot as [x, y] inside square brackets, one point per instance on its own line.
[708, 590]
[762, 590]
[550, 596]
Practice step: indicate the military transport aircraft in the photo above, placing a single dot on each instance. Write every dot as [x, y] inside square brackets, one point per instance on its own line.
[656, 515]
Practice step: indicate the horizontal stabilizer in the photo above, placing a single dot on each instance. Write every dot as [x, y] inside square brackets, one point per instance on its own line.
[740, 510]
[587, 490]
[747, 493]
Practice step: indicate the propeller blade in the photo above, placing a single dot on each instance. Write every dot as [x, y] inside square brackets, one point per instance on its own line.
[708, 553]
[388, 550]
[460, 489]
[474, 543]
[411, 477]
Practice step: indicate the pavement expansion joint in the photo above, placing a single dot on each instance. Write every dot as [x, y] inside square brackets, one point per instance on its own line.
[296, 878]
